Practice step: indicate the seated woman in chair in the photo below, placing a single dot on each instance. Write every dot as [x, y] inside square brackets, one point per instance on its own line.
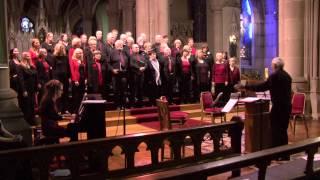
[49, 113]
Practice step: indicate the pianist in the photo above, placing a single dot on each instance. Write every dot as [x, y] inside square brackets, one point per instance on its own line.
[49, 114]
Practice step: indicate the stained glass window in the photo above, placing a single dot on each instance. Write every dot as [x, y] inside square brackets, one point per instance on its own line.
[246, 31]
[26, 25]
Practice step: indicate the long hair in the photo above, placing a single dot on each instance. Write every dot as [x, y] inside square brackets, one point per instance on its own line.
[59, 50]
[33, 42]
[25, 57]
[51, 89]
[11, 54]
[75, 52]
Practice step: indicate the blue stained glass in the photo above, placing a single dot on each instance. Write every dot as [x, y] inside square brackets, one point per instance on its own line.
[246, 26]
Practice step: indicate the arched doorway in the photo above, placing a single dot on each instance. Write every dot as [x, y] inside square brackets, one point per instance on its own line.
[78, 28]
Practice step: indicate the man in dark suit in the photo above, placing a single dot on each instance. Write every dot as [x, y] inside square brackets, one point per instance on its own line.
[119, 65]
[153, 77]
[279, 84]
[169, 74]
[100, 43]
[106, 53]
[138, 65]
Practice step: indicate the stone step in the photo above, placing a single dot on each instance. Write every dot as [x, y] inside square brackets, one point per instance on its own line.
[153, 109]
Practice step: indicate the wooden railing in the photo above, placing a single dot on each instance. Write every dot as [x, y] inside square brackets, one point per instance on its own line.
[96, 153]
[260, 159]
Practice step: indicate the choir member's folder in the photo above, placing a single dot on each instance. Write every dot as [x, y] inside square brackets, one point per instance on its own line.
[234, 98]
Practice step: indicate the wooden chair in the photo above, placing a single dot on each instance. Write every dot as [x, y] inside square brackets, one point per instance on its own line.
[298, 108]
[167, 118]
[208, 106]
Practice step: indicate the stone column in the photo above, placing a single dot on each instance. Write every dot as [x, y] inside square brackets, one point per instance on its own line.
[311, 53]
[162, 16]
[127, 15]
[291, 37]
[152, 18]
[214, 25]
[142, 14]
[10, 114]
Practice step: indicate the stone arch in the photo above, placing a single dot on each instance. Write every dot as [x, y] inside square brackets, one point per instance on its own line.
[181, 26]
[101, 17]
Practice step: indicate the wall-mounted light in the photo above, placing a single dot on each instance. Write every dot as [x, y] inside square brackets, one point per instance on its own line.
[232, 39]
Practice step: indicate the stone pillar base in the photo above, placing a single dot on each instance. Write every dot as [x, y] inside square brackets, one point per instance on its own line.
[315, 98]
[12, 117]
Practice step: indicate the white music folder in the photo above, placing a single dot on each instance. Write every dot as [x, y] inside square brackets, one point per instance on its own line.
[234, 98]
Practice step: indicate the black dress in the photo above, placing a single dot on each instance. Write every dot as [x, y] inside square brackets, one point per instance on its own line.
[202, 77]
[29, 85]
[61, 72]
[43, 70]
[184, 74]
[16, 80]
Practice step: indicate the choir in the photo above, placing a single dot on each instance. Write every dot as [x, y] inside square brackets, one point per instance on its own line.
[132, 74]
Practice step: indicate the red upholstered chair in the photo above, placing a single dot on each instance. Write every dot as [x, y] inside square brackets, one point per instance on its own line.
[298, 107]
[208, 106]
[167, 118]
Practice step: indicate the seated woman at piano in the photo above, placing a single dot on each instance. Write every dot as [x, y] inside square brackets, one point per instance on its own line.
[49, 113]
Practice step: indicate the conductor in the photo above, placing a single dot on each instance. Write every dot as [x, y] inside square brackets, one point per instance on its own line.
[279, 84]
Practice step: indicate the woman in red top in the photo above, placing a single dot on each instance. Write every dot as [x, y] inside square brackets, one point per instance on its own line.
[234, 74]
[34, 51]
[191, 45]
[78, 79]
[184, 72]
[176, 50]
[76, 43]
[95, 78]
[220, 77]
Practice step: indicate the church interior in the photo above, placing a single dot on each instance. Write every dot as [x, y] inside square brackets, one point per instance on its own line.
[149, 89]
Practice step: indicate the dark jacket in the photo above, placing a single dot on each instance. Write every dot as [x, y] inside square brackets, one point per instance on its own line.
[60, 67]
[279, 84]
[15, 76]
[115, 61]
[136, 62]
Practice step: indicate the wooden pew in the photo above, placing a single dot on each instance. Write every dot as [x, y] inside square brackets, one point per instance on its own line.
[260, 159]
[101, 149]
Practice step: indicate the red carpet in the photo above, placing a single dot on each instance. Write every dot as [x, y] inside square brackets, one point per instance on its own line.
[189, 123]
[145, 110]
[149, 114]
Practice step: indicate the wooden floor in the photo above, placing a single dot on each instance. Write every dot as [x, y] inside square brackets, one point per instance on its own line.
[143, 156]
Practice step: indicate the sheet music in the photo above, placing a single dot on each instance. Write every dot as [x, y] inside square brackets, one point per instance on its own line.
[263, 95]
[94, 101]
[230, 104]
[250, 99]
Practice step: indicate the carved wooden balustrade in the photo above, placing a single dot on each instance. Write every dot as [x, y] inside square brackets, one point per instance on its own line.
[95, 154]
